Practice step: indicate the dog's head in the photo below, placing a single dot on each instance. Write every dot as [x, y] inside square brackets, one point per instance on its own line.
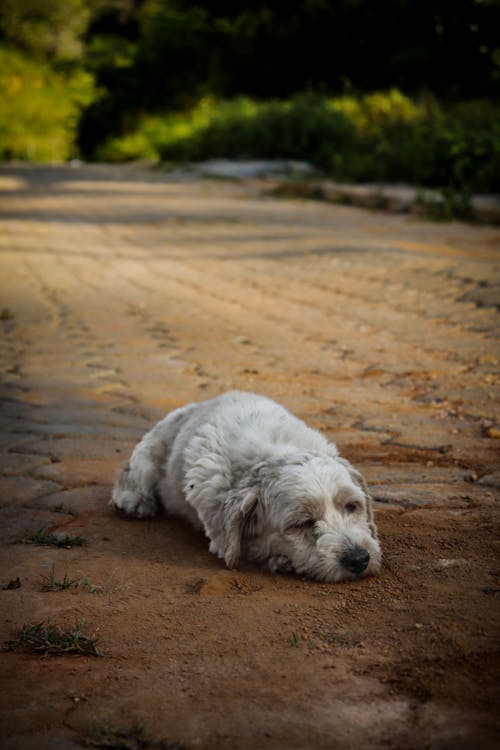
[307, 513]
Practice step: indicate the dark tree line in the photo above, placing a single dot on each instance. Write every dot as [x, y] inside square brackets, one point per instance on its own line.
[153, 55]
[278, 47]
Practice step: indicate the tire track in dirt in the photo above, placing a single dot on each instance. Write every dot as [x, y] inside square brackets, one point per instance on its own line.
[215, 294]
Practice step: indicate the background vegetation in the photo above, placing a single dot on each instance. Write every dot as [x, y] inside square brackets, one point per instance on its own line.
[365, 89]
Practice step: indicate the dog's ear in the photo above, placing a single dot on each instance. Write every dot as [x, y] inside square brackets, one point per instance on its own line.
[360, 482]
[240, 518]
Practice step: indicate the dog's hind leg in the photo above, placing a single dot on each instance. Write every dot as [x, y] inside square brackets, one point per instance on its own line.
[136, 489]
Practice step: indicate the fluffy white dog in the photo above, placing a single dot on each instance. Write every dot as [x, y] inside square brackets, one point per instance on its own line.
[263, 486]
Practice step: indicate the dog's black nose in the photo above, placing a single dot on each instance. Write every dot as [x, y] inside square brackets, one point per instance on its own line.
[356, 560]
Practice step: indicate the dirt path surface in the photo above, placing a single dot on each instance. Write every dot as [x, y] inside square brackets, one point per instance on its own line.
[124, 295]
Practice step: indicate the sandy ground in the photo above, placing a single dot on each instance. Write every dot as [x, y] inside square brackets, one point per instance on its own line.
[125, 294]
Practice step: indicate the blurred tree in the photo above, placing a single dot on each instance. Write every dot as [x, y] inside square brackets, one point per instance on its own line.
[157, 55]
[51, 30]
[274, 48]
[110, 51]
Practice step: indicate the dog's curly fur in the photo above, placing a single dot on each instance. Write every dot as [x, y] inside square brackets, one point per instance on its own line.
[263, 486]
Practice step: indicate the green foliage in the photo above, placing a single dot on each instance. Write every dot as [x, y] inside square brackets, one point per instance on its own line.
[48, 30]
[39, 108]
[184, 80]
[383, 136]
[238, 128]
[153, 56]
[291, 129]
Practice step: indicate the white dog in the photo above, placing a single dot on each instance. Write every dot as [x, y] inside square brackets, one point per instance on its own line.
[263, 486]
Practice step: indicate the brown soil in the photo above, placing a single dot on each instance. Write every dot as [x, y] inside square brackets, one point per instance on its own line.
[126, 294]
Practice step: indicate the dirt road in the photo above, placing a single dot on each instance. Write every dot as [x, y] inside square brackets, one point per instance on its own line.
[125, 294]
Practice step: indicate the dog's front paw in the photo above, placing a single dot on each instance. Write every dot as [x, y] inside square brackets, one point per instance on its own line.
[280, 564]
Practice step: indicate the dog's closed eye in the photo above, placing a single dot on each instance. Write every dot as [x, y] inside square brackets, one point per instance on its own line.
[308, 523]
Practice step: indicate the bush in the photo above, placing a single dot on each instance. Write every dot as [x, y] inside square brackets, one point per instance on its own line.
[384, 136]
[304, 127]
[39, 108]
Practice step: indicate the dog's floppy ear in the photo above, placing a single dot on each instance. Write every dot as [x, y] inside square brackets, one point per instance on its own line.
[359, 480]
[240, 516]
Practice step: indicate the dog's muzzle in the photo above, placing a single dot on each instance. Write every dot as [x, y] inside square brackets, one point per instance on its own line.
[356, 560]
